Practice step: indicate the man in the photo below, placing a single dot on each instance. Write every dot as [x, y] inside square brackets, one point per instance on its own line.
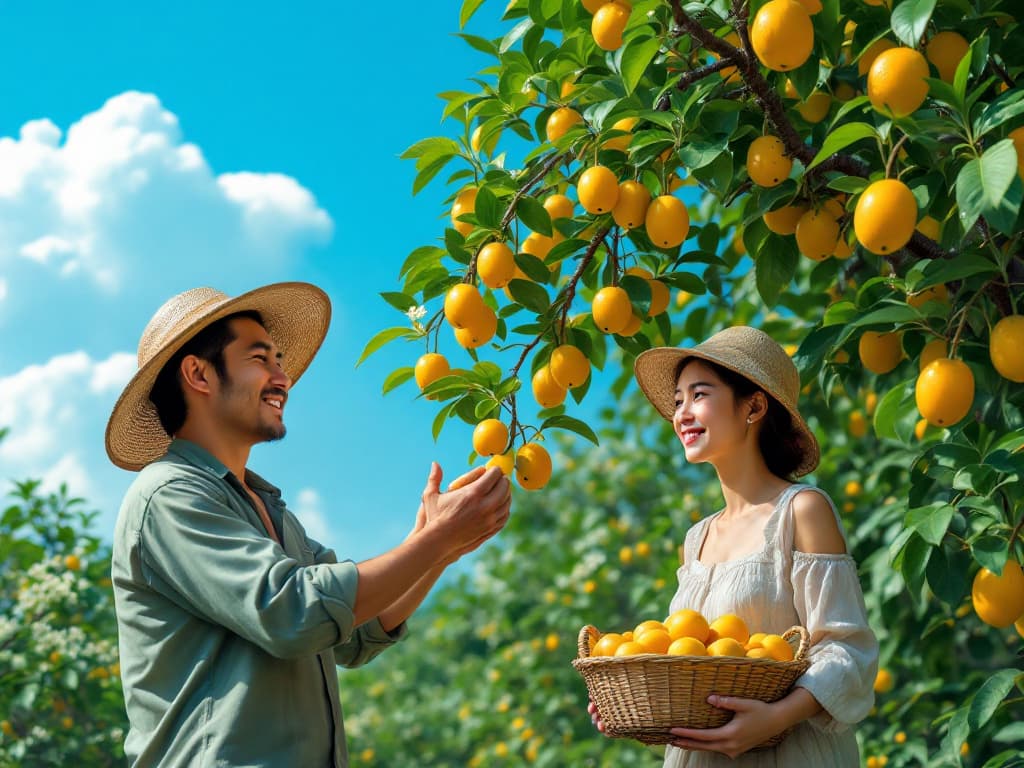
[230, 619]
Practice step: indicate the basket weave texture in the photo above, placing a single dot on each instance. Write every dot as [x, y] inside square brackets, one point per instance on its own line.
[643, 696]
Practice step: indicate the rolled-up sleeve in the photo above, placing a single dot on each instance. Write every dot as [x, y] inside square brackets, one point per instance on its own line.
[203, 556]
[843, 651]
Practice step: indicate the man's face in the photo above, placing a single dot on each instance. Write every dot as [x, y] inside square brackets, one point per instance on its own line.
[250, 398]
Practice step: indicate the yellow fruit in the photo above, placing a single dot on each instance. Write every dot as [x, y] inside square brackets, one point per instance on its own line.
[687, 646]
[559, 207]
[932, 293]
[546, 391]
[465, 202]
[429, 368]
[479, 331]
[537, 245]
[533, 466]
[1019, 625]
[1006, 347]
[560, 121]
[1017, 137]
[777, 648]
[463, 306]
[626, 557]
[843, 249]
[817, 233]
[476, 141]
[726, 646]
[933, 350]
[630, 648]
[72, 562]
[659, 298]
[611, 309]
[667, 221]
[621, 143]
[767, 163]
[646, 626]
[757, 653]
[607, 644]
[999, 600]
[496, 265]
[920, 428]
[654, 641]
[812, 6]
[755, 640]
[871, 53]
[945, 51]
[729, 74]
[598, 189]
[490, 437]
[567, 89]
[929, 227]
[593, 5]
[782, 35]
[816, 107]
[896, 82]
[687, 622]
[885, 216]
[883, 681]
[870, 402]
[730, 625]
[569, 366]
[844, 91]
[783, 221]
[900, 737]
[506, 462]
[880, 352]
[632, 205]
[608, 24]
[944, 391]
[857, 424]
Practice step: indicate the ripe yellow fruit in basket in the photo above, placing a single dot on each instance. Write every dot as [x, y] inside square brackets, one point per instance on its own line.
[758, 653]
[777, 648]
[726, 646]
[654, 641]
[644, 626]
[607, 644]
[730, 625]
[687, 646]
[630, 648]
[687, 623]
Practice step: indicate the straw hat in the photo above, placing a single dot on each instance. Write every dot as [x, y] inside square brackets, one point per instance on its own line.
[295, 314]
[747, 351]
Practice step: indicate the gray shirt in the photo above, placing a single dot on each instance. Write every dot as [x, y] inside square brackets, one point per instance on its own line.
[228, 642]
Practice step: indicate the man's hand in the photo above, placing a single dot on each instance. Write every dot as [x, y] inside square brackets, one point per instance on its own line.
[475, 507]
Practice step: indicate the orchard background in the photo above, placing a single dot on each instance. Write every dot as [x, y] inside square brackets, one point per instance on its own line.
[761, 132]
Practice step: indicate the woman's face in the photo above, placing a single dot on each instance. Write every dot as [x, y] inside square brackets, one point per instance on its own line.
[707, 420]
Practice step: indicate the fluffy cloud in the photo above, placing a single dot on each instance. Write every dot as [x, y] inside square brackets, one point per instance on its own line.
[309, 509]
[56, 412]
[124, 197]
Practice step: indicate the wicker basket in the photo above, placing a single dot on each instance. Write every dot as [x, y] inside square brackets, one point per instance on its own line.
[643, 696]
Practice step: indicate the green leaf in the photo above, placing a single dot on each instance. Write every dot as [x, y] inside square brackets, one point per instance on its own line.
[435, 146]
[990, 552]
[399, 301]
[698, 154]
[441, 418]
[636, 58]
[573, 425]
[931, 522]
[534, 215]
[396, 378]
[775, 266]
[853, 185]
[468, 9]
[982, 184]
[948, 270]
[534, 268]
[488, 209]
[893, 313]
[912, 561]
[999, 112]
[530, 295]
[976, 478]
[382, 338]
[910, 19]
[842, 137]
[985, 702]
[639, 291]
[515, 34]
[894, 406]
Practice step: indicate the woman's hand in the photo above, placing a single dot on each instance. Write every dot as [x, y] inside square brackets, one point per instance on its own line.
[595, 718]
[753, 722]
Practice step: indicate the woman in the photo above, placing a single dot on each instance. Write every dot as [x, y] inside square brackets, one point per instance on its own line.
[775, 555]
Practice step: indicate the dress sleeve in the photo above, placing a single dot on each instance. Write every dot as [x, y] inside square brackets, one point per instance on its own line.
[843, 649]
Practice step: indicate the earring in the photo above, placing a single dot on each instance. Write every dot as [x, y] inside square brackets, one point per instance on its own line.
[750, 420]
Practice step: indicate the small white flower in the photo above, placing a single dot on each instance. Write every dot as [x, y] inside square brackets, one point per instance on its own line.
[416, 313]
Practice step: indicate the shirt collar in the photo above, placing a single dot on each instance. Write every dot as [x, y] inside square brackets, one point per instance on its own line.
[198, 456]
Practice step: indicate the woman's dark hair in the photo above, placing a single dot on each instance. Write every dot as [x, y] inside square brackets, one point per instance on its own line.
[779, 440]
[208, 345]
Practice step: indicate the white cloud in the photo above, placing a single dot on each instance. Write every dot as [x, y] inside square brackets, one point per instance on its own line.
[125, 197]
[308, 508]
[56, 412]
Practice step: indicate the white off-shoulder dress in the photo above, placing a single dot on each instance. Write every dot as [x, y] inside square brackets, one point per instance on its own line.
[772, 590]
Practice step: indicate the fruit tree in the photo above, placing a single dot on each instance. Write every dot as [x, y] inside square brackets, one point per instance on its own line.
[846, 176]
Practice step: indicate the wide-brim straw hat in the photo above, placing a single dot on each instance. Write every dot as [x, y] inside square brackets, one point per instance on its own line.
[751, 353]
[296, 315]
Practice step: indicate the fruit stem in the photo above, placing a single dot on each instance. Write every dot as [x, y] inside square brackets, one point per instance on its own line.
[892, 155]
[963, 319]
[550, 163]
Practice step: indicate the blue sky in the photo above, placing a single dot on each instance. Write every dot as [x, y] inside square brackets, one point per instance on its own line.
[150, 148]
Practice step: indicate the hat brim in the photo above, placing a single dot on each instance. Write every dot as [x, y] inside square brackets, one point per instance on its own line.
[296, 315]
[655, 373]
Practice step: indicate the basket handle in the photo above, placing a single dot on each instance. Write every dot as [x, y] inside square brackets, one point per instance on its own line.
[805, 641]
[583, 643]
